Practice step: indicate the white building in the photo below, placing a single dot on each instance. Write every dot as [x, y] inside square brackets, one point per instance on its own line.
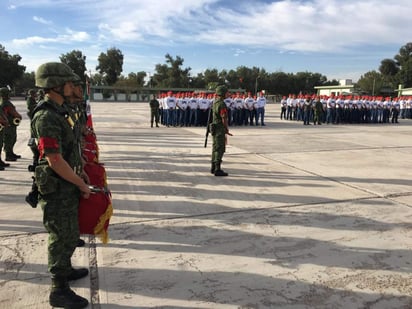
[345, 87]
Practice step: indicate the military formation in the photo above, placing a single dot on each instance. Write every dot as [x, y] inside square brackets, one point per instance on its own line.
[187, 109]
[345, 109]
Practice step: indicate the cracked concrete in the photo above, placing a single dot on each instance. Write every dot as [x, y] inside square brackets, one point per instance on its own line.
[310, 217]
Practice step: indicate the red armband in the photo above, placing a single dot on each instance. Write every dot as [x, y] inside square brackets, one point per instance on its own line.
[47, 143]
[223, 111]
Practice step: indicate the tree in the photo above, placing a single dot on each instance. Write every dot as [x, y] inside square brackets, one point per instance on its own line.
[110, 65]
[371, 82]
[10, 70]
[171, 74]
[76, 61]
[403, 60]
[26, 82]
[388, 68]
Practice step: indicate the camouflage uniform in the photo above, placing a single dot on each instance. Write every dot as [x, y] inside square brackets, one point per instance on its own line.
[219, 131]
[53, 128]
[10, 131]
[31, 103]
[58, 198]
[154, 111]
[3, 124]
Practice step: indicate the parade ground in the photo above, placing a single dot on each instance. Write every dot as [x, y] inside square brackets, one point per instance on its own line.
[309, 217]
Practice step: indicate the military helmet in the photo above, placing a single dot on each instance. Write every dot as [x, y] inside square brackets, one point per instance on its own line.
[40, 92]
[32, 91]
[4, 91]
[221, 90]
[53, 74]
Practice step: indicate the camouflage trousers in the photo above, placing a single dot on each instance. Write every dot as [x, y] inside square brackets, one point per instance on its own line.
[218, 147]
[60, 218]
[10, 138]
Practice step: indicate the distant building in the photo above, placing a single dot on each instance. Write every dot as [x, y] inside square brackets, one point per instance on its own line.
[345, 87]
[403, 91]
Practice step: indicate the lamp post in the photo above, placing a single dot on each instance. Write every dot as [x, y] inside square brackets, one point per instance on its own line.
[256, 84]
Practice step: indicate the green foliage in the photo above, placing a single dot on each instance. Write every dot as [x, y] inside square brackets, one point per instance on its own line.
[76, 61]
[110, 65]
[24, 83]
[371, 82]
[10, 70]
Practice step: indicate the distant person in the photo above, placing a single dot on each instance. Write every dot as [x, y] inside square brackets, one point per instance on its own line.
[10, 131]
[154, 111]
[260, 109]
[3, 123]
[31, 102]
[220, 125]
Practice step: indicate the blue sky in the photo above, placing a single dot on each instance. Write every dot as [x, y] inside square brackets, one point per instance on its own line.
[339, 39]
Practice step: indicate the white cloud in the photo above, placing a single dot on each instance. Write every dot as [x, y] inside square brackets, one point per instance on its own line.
[42, 20]
[69, 36]
[288, 27]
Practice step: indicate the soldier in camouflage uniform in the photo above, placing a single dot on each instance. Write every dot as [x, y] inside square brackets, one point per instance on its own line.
[3, 123]
[154, 111]
[10, 131]
[219, 129]
[58, 180]
[31, 102]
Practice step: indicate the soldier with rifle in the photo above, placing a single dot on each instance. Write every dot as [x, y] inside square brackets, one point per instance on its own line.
[218, 127]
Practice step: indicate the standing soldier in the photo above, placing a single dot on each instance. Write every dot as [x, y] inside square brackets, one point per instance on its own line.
[58, 180]
[40, 95]
[31, 102]
[10, 131]
[219, 130]
[3, 123]
[318, 111]
[154, 111]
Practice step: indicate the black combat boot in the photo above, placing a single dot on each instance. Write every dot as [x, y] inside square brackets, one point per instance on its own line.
[219, 171]
[4, 164]
[16, 155]
[213, 168]
[61, 296]
[32, 198]
[10, 157]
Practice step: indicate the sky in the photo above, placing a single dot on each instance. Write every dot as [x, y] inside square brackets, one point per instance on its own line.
[338, 39]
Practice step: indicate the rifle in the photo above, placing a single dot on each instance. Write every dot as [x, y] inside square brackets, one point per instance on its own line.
[209, 120]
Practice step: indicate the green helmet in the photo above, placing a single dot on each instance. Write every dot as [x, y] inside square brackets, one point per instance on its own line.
[221, 90]
[32, 91]
[53, 74]
[4, 92]
[40, 92]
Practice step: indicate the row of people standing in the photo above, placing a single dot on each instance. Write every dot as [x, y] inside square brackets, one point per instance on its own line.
[343, 109]
[192, 109]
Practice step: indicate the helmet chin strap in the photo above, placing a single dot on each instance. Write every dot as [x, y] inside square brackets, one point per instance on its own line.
[60, 91]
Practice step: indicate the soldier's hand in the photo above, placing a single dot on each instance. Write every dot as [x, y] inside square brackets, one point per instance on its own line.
[85, 190]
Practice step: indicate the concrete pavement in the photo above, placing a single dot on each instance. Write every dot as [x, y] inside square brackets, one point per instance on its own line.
[310, 217]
